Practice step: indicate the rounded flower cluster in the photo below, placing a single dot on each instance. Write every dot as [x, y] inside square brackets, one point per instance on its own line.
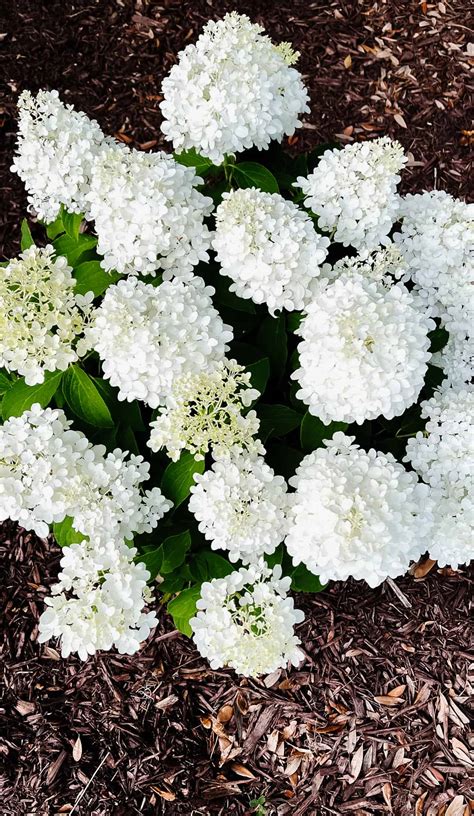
[49, 471]
[353, 191]
[356, 514]
[147, 337]
[205, 411]
[41, 319]
[231, 90]
[241, 506]
[98, 601]
[443, 455]
[56, 149]
[268, 247]
[457, 358]
[246, 621]
[437, 243]
[148, 214]
[364, 351]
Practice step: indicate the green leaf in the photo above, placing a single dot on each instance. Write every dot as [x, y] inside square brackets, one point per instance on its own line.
[183, 608]
[126, 439]
[272, 339]
[439, 338]
[20, 397]
[302, 580]
[207, 565]
[127, 413]
[314, 431]
[84, 399]
[293, 321]
[90, 277]
[26, 236]
[73, 250]
[72, 223]
[5, 381]
[153, 560]
[283, 459]
[65, 534]
[190, 158]
[259, 374]
[174, 551]
[55, 228]
[252, 174]
[174, 582]
[277, 420]
[178, 478]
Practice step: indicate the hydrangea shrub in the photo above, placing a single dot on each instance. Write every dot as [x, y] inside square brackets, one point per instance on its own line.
[229, 373]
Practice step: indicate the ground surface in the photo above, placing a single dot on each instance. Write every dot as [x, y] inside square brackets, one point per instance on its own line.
[376, 720]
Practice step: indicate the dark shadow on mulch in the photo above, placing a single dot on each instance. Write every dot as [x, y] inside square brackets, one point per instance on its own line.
[374, 722]
[373, 67]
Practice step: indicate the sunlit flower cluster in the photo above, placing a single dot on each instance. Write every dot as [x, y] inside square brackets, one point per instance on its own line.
[57, 147]
[41, 319]
[353, 191]
[240, 505]
[206, 411]
[98, 602]
[268, 247]
[246, 621]
[148, 214]
[443, 455]
[357, 513]
[231, 90]
[148, 337]
[364, 350]
[457, 358]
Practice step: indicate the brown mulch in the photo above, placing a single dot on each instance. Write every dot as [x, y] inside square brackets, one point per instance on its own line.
[376, 720]
[397, 67]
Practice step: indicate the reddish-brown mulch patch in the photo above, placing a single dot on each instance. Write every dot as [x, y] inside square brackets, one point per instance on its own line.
[376, 720]
[373, 67]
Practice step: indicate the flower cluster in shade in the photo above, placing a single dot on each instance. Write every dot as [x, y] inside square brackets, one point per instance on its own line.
[246, 621]
[356, 513]
[147, 337]
[56, 150]
[206, 411]
[148, 214]
[443, 455]
[364, 350]
[241, 505]
[268, 247]
[437, 243]
[49, 473]
[231, 90]
[42, 320]
[353, 191]
[99, 600]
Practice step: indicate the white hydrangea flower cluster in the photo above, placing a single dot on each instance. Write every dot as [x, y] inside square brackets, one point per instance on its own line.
[353, 191]
[147, 337]
[384, 265]
[443, 455]
[231, 90]
[437, 243]
[356, 514]
[98, 601]
[148, 214]
[268, 247]
[56, 149]
[457, 358]
[41, 319]
[241, 505]
[364, 351]
[49, 471]
[246, 621]
[205, 411]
